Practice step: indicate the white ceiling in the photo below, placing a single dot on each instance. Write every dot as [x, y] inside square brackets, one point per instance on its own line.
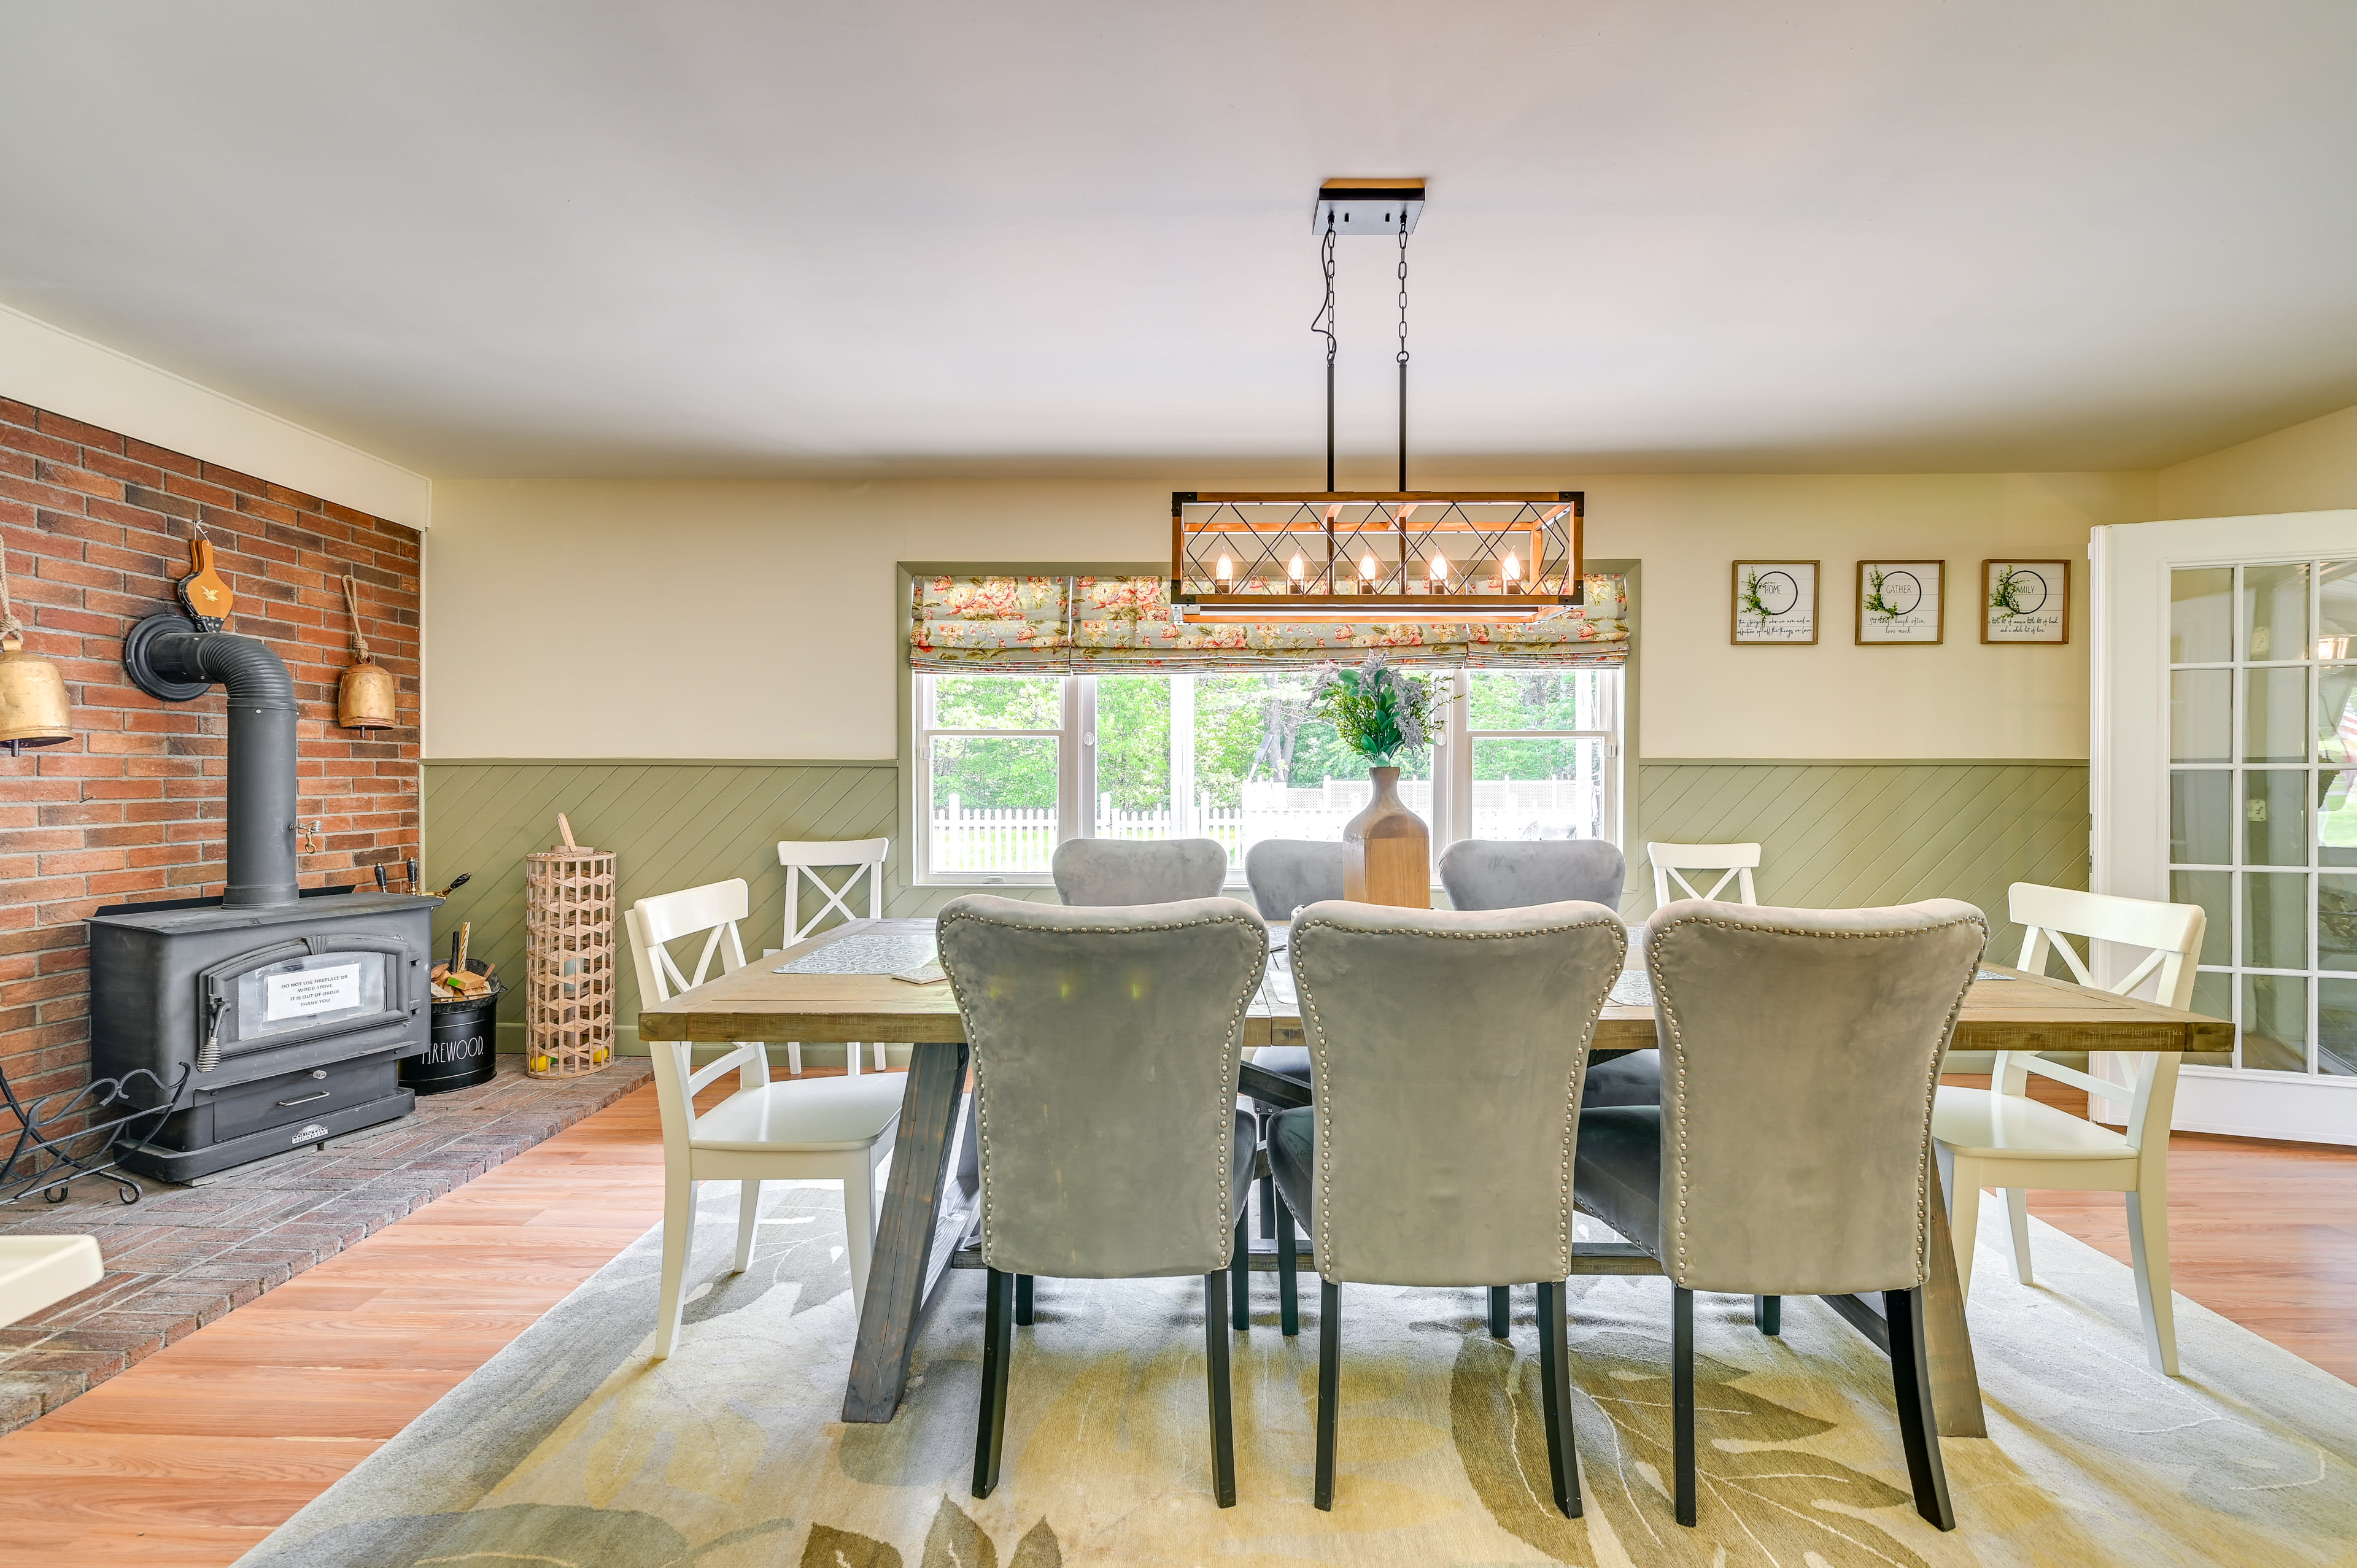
[558, 236]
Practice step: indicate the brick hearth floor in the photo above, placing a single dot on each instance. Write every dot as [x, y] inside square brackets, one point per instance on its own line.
[182, 1256]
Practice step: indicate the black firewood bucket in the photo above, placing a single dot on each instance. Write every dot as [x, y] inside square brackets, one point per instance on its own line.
[464, 1050]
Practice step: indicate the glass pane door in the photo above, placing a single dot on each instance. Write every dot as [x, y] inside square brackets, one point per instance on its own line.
[2261, 822]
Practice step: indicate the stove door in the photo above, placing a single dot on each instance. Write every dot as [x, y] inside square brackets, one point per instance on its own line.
[310, 988]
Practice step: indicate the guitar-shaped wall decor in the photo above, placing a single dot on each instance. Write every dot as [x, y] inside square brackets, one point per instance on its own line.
[204, 593]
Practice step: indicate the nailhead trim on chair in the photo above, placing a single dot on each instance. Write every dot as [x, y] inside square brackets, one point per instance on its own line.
[1316, 1032]
[1230, 1058]
[1931, 1085]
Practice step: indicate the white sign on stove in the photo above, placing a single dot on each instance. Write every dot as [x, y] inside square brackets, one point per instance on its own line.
[308, 992]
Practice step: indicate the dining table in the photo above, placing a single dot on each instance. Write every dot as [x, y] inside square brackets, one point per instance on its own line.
[846, 984]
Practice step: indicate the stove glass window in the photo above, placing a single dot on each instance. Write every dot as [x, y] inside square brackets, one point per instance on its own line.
[307, 992]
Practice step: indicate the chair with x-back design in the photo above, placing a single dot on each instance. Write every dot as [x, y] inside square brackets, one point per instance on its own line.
[1734, 863]
[2000, 1137]
[803, 860]
[837, 1129]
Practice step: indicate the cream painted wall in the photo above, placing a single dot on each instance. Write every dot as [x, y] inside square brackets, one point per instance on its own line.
[2307, 467]
[726, 619]
[715, 618]
[50, 367]
[1703, 698]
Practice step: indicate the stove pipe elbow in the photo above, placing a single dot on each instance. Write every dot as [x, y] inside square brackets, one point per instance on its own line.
[167, 659]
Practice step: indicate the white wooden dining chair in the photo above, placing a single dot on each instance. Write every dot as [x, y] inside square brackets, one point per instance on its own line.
[803, 860]
[2000, 1137]
[1734, 862]
[835, 1128]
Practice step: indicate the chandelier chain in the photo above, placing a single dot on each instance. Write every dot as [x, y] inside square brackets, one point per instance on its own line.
[1324, 320]
[1326, 315]
[1403, 289]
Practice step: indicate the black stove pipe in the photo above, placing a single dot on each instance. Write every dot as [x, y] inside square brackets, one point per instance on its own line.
[261, 712]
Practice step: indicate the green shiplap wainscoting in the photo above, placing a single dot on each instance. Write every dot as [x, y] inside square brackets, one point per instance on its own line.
[1834, 834]
[672, 824]
[1851, 833]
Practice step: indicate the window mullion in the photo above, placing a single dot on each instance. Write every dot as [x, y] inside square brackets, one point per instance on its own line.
[1076, 795]
[1182, 758]
[1456, 761]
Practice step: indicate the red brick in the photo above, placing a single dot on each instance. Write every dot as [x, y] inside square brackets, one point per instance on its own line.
[234, 479]
[124, 468]
[159, 457]
[65, 476]
[97, 525]
[57, 569]
[123, 885]
[74, 430]
[32, 492]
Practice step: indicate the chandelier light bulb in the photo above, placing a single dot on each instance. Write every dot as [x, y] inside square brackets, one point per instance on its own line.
[1513, 567]
[1367, 566]
[1227, 571]
[1439, 573]
[1293, 570]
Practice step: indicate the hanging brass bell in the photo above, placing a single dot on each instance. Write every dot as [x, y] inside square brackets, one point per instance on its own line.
[365, 698]
[33, 706]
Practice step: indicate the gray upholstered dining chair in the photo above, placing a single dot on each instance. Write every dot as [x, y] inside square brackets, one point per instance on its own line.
[1420, 1167]
[1106, 1045]
[1286, 875]
[1513, 874]
[1507, 874]
[1105, 871]
[1803, 1049]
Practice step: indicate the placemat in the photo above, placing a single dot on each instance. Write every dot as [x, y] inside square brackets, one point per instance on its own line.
[877, 955]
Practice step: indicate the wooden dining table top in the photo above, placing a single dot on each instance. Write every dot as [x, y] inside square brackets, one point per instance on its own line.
[2017, 1012]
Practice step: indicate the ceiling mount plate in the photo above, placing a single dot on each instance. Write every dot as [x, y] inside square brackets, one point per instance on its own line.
[1367, 206]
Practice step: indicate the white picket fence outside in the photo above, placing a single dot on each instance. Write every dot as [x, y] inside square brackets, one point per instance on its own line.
[1021, 840]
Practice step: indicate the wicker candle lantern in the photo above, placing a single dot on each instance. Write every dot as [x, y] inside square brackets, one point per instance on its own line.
[569, 959]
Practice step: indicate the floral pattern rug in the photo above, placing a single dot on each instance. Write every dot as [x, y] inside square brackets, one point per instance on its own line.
[572, 1447]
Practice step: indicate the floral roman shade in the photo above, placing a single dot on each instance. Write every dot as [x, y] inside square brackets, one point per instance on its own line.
[1059, 624]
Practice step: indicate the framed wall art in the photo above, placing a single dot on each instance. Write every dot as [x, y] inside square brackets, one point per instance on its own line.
[2026, 601]
[1774, 601]
[1902, 602]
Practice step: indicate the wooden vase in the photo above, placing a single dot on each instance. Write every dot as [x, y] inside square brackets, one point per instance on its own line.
[1387, 850]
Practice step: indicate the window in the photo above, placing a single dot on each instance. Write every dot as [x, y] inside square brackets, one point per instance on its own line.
[1010, 766]
[1542, 757]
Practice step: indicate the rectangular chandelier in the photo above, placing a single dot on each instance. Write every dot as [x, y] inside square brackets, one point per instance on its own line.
[1414, 555]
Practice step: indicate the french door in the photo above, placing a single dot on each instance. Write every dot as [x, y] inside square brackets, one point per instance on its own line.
[2224, 750]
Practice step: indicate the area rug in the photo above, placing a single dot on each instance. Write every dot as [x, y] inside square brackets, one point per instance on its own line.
[572, 1447]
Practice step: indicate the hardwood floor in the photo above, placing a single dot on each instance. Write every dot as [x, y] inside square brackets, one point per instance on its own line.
[2265, 1233]
[190, 1457]
[200, 1451]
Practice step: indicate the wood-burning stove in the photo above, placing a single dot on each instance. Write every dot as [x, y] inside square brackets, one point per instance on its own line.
[291, 1007]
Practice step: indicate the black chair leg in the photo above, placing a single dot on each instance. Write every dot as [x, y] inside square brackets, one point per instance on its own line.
[1554, 1385]
[1502, 1311]
[1767, 1313]
[1215, 1374]
[998, 1351]
[1267, 1204]
[1918, 1427]
[1329, 1386]
[1023, 1300]
[1682, 1397]
[1239, 1274]
[1288, 1271]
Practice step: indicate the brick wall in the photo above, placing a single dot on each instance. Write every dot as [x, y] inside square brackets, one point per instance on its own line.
[96, 525]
